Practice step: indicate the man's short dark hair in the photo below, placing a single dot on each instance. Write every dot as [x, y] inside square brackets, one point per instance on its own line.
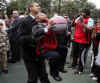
[31, 5]
[87, 11]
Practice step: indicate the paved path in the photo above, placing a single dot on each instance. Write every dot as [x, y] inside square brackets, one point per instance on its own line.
[17, 74]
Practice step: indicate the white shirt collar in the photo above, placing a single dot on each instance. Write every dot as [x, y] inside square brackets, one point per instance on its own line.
[32, 16]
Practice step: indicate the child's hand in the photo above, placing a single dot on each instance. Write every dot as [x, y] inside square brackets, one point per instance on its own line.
[50, 24]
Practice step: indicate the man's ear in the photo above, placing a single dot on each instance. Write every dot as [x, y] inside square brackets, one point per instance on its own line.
[30, 8]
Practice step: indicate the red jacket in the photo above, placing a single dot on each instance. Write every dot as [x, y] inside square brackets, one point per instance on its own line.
[96, 42]
[48, 42]
[79, 35]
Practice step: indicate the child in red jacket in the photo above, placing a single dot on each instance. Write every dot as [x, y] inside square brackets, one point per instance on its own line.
[46, 48]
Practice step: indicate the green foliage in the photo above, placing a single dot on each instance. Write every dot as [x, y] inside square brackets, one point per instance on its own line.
[70, 7]
[22, 5]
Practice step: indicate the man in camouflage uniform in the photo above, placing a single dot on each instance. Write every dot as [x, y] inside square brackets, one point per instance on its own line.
[3, 49]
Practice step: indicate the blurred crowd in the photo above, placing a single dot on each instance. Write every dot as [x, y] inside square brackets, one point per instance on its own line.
[37, 39]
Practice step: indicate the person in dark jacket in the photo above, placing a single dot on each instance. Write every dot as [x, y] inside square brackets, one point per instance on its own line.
[12, 34]
[68, 30]
[62, 48]
[35, 65]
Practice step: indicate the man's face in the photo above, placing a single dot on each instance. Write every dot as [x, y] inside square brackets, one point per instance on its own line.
[83, 14]
[15, 14]
[35, 8]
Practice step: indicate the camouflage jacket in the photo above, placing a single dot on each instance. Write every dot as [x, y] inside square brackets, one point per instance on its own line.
[3, 41]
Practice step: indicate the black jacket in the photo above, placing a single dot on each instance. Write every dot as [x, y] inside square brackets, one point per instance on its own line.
[12, 31]
[25, 36]
[61, 38]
